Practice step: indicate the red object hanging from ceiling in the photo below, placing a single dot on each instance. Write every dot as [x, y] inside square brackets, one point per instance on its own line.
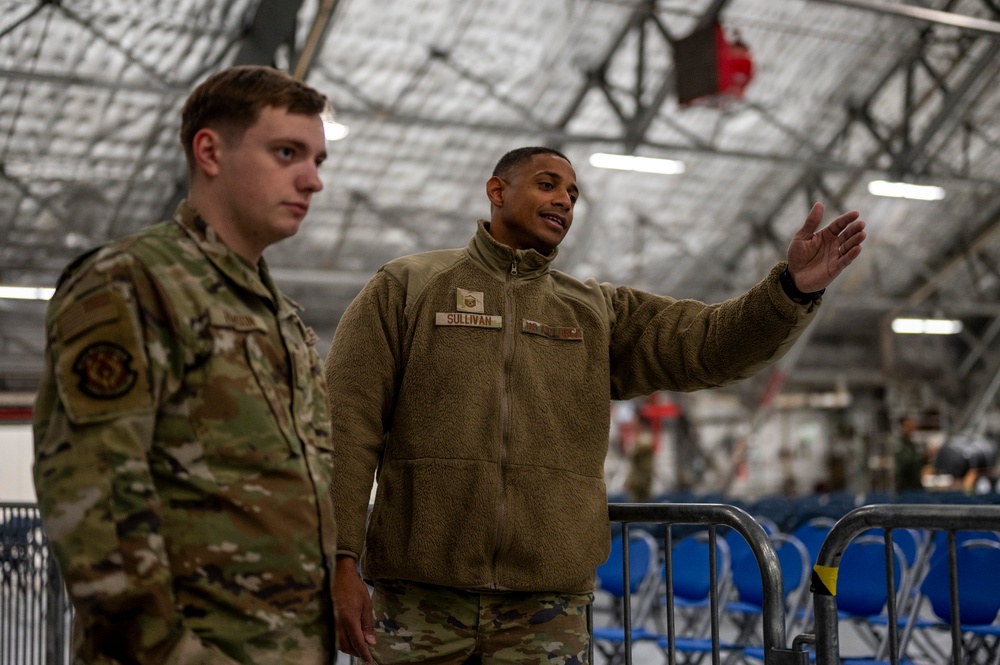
[711, 68]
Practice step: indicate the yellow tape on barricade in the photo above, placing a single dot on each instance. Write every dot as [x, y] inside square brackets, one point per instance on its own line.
[824, 580]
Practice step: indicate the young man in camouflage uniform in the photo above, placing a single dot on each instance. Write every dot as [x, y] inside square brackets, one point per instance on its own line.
[182, 442]
[478, 382]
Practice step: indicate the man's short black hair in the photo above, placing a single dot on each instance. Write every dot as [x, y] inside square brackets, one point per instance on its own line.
[518, 156]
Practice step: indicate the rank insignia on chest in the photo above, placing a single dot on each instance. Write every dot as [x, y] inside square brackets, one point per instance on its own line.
[105, 371]
[470, 301]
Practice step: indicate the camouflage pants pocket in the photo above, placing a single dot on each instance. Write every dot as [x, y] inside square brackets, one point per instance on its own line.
[437, 625]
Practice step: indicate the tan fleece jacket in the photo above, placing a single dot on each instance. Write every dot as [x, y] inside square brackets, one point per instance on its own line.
[479, 382]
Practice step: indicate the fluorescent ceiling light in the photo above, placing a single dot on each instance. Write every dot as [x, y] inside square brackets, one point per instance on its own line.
[904, 190]
[26, 292]
[604, 160]
[926, 326]
[333, 130]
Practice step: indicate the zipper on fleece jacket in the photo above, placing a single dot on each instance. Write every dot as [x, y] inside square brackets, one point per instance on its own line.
[505, 402]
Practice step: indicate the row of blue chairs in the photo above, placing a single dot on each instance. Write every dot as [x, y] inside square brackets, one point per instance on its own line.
[790, 512]
[919, 590]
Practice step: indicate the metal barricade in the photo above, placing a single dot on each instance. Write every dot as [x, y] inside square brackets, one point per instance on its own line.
[712, 516]
[35, 613]
[947, 518]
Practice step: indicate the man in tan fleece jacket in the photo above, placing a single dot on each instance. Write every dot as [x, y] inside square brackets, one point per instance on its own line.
[477, 383]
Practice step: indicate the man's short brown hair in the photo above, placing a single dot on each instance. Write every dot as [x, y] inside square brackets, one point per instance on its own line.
[230, 102]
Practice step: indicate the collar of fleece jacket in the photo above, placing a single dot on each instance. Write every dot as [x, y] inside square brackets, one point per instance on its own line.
[501, 258]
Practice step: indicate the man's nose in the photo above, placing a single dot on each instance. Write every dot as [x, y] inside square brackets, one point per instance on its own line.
[310, 180]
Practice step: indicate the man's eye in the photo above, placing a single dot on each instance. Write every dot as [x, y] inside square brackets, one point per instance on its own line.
[287, 153]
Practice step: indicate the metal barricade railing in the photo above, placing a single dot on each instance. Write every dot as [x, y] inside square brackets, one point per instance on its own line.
[712, 516]
[35, 613]
[933, 517]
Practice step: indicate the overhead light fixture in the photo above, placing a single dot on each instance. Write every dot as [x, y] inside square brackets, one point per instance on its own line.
[332, 130]
[603, 160]
[26, 292]
[904, 190]
[926, 326]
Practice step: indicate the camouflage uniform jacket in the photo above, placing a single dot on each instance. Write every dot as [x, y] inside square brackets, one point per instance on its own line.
[183, 457]
[478, 381]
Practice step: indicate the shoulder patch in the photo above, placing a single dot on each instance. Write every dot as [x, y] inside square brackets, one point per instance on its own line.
[86, 313]
[100, 366]
[105, 371]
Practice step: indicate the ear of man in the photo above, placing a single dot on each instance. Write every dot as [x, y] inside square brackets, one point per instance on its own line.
[206, 144]
[494, 190]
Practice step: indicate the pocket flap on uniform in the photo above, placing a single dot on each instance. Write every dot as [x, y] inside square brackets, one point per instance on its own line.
[243, 321]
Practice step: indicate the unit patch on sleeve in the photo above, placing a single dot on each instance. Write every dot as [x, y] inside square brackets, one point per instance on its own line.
[470, 301]
[552, 332]
[105, 371]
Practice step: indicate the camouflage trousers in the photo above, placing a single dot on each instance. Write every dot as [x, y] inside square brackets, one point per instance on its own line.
[416, 623]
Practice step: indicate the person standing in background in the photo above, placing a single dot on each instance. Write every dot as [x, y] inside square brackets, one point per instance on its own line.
[909, 460]
[182, 443]
[641, 464]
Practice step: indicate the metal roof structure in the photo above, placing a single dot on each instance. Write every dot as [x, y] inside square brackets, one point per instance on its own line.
[434, 91]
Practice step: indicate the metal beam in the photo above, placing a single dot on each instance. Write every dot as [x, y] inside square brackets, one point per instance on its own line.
[315, 38]
[812, 162]
[960, 21]
[988, 226]
[273, 26]
[946, 111]
[637, 123]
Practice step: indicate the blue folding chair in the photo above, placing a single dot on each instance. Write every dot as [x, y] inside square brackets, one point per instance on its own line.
[812, 533]
[748, 607]
[978, 570]
[643, 571]
[863, 589]
[690, 575]
[775, 507]
[691, 585]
